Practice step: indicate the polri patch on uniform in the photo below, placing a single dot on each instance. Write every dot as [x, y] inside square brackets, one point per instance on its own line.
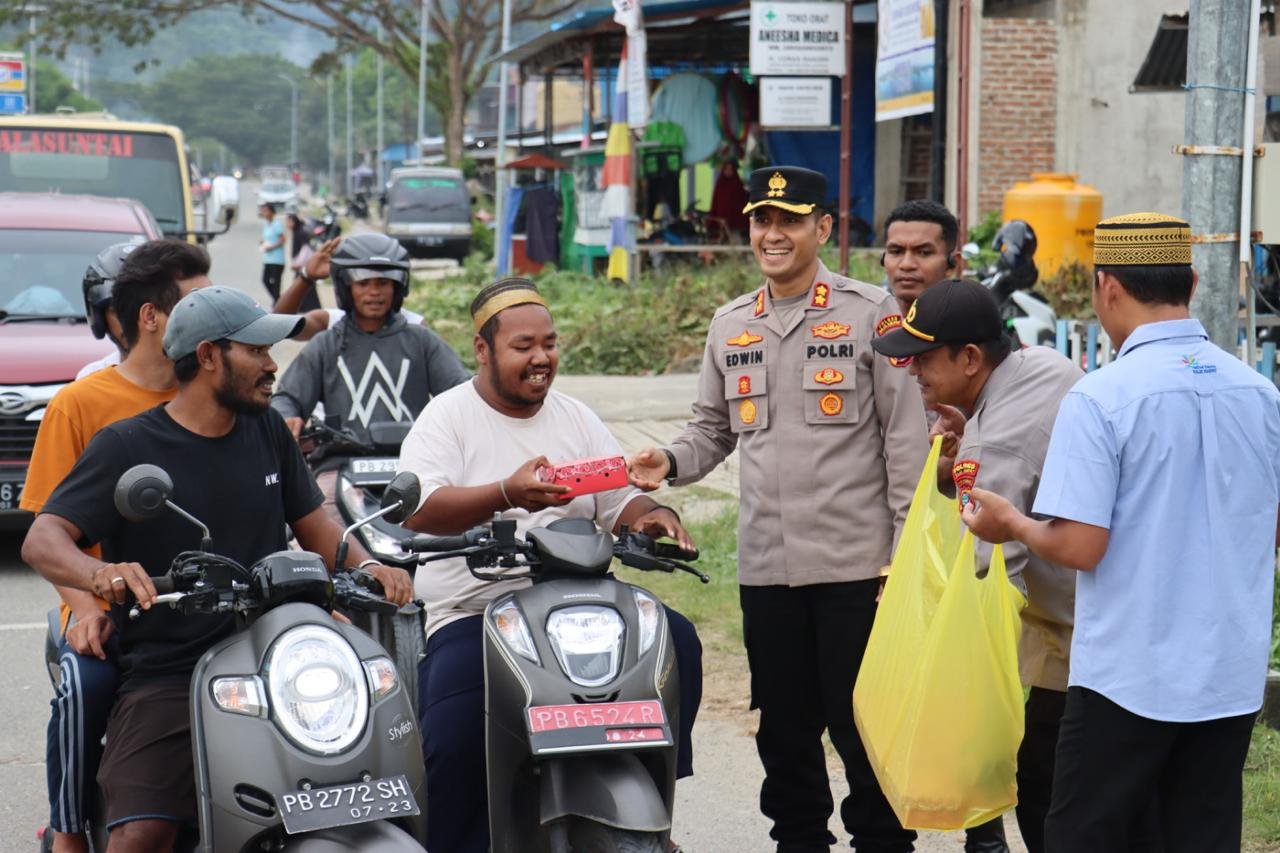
[745, 339]
[965, 474]
[830, 330]
[821, 295]
[842, 350]
[831, 404]
[747, 411]
[828, 376]
[759, 308]
[888, 324]
[744, 385]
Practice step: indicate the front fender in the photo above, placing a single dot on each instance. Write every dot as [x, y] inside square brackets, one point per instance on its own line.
[613, 789]
[378, 837]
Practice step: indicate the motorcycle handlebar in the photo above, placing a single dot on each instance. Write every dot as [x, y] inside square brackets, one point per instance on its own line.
[163, 584]
[424, 543]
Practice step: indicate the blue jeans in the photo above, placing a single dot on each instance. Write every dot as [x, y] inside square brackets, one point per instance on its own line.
[81, 705]
[451, 699]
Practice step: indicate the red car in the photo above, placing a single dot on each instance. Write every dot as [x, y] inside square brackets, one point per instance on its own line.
[46, 243]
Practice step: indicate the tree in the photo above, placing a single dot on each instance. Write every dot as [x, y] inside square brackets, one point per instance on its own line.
[466, 30]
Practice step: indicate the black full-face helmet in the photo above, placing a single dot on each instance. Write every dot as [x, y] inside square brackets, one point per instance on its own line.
[365, 256]
[1016, 242]
[97, 283]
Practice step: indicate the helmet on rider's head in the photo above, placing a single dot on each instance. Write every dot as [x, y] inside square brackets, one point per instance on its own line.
[98, 280]
[1016, 243]
[365, 256]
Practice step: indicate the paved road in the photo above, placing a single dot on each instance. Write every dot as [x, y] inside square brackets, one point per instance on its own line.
[716, 810]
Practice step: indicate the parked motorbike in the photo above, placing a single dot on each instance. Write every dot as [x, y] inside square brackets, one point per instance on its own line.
[1012, 278]
[358, 206]
[303, 732]
[325, 228]
[581, 703]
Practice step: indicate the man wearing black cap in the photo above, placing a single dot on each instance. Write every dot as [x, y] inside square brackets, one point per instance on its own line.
[831, 439]
[235, 467]
[961, 357]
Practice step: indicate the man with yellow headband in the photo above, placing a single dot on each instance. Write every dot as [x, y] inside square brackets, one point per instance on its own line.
[832, 438]
[1161, 486]
[476, 450]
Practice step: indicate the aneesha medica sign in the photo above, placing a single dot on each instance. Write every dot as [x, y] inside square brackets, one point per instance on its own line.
[797, 39]
[904, 58]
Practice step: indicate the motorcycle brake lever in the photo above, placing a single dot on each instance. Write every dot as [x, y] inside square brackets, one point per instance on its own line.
[167, 598]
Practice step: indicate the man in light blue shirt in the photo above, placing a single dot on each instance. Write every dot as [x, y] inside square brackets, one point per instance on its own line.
[272, 247]
[1161, 485]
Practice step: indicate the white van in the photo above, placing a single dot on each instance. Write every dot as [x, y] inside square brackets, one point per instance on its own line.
[428, 211]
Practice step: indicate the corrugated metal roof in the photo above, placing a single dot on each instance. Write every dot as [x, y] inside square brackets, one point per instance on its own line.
[1165, 67]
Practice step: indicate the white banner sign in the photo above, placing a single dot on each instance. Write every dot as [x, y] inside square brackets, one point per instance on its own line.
[904, 59]
[797, 39]
[795, 102]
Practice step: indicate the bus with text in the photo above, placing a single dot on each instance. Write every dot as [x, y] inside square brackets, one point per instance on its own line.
[98, 154]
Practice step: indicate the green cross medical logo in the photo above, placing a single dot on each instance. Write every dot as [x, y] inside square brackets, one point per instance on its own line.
[770, 16]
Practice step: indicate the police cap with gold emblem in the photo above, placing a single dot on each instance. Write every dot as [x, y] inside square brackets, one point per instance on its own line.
[789, 187]
[955, 311]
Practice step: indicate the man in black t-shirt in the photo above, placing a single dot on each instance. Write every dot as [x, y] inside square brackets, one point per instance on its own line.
[234, 466]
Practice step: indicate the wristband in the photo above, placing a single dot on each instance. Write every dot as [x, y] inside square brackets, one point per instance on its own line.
[369, 562]
[671, 465]
[503, 488]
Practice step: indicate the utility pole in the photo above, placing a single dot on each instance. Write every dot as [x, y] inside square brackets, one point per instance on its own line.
[377, 159]
[293, 119]
[500, 158]
[347, 61]
[1216, 46]
[422, 76]
[31, 65]
[333, 178]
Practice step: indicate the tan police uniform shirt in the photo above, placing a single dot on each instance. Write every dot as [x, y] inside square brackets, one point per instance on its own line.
[832, 436]
[1003, 451]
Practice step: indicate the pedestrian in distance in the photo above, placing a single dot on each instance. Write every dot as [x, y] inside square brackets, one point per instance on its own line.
[272, 248]
[832, 438]
[1161, 486]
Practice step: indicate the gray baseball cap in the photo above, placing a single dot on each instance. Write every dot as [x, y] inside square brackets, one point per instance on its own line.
[223, 313]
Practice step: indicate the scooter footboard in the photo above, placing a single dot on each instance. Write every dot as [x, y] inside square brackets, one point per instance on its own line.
[381, 837]
[613, 789]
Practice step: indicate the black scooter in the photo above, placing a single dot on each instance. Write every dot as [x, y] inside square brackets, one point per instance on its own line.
[303, 732]
[582, 704]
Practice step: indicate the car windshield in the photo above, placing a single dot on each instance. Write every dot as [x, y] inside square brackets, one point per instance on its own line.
[438, 199]
[278, 187]
[41, 271]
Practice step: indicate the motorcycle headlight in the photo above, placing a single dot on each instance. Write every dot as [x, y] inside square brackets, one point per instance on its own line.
[510, 624]
[647, 607]
[318, 689]
[588, 642]
[380, 543]
[357, 501]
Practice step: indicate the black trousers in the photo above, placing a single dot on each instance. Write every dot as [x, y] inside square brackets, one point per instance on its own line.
[1035, 763]
[271, 275]
[1110, 762]
[804, 647]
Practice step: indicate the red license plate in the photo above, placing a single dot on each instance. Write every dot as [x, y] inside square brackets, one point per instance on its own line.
[634, 735]
[550, 718]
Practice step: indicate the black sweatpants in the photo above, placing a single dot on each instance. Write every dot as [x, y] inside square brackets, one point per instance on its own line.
[1111, 761]
[804, 647]
[271, 275]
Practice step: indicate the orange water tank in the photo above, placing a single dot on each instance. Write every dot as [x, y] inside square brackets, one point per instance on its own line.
[1063, 214]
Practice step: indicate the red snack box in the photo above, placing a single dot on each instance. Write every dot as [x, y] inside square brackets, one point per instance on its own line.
[587, 476]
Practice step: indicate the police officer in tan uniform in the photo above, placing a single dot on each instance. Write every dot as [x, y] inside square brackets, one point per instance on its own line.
[832, 439]
[961, 357]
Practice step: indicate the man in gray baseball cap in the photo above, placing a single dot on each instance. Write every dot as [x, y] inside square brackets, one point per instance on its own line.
[236, 467]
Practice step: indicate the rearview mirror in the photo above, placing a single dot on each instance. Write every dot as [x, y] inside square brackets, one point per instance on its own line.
[969, 251]
[141, 492]
[406, 489]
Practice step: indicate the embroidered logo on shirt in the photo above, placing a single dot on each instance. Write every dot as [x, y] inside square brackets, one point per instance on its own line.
[745, 339]
[965, 474]
[1197, 366]
[376, 385]
[273, 479]
[747, 411]
[830, 330]
[759, 309]
[828, 376]
[831, 404]
[744, 385]
[888, 324]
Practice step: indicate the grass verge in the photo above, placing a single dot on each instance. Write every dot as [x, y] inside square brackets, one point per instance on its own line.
[1262, 792]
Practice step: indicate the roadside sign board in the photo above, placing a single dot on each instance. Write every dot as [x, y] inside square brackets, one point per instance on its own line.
[904, 58]
[13, 72]
[797, 39]
[13, 104]
[794, 102]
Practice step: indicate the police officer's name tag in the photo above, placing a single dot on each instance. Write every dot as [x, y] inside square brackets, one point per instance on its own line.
[820, 349]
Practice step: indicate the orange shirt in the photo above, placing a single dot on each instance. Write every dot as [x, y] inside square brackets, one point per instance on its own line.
[71, 419]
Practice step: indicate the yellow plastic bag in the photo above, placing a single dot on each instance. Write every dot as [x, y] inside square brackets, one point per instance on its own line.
[938, 702]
